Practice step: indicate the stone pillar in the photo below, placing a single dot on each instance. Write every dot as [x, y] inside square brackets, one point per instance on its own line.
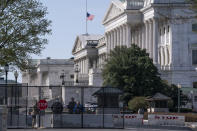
[124, 35]
[114, 35]
[39, 79]
[150, 39]
[128, 35]
[143, 37]
[155, 41]
[111, 41]
[115, 38]
[118, 36]
[147, 36]
[87, 66]
[121, 36]
[107, 41]
[138, 38]
[134, 36]
[3, 118]
[83, 66]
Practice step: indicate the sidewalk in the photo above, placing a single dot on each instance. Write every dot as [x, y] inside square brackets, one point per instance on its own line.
[129, 129]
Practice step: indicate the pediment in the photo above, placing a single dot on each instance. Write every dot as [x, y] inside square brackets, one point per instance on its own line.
[77, 46]
[113, 11]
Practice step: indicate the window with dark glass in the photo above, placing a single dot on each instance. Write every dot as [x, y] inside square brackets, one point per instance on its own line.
[194, 84]
[194, 57]
[72, 76]
[194, 27]
[195, 98]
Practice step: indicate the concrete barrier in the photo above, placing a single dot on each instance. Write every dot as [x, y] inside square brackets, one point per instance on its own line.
[3, 118]
[168, 120]
[129, 119]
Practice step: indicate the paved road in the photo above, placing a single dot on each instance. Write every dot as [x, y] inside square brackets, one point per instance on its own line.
[131, 129]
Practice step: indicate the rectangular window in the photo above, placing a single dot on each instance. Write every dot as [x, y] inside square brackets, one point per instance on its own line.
[194, 84]
[72, 76]
[195, 98]
[194, 27]
[194, 57]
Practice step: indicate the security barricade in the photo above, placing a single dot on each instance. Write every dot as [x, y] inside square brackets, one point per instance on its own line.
[168, 120]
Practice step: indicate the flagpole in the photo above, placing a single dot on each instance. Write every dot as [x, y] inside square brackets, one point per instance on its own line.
[86, 18]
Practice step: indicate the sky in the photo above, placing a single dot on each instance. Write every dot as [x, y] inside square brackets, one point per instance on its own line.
[69, 20]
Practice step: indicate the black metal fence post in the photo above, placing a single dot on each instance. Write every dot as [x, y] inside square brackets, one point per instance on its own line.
[18, 104]
[11, 105]
[39, 100]
[26, 104]
[123, 118]
[103, 108]
[82, 103]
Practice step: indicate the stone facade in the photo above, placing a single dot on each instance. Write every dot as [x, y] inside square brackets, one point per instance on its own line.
[165, 28]
[47, 74]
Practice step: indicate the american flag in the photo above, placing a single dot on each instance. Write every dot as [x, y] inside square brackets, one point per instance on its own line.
[90, 17]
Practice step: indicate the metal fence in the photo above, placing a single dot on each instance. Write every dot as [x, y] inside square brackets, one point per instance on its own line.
[75, 106]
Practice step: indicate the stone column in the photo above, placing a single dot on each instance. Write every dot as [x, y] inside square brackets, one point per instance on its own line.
[151, 39]
[133, 34]
[138, 38]
[118, 38]
[111, 43]
[115, 38]
[83, 65]
[87, 66]
[155, 41]
[39, 79]
[124, 35]
[107, 41]
[143, 36]
[147, 36]
[121, 36]
[128, 29]
[109, 47]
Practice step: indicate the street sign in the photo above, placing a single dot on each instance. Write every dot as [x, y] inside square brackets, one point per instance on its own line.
[42, 104]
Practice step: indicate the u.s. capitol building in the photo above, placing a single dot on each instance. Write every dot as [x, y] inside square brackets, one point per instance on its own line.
[167, 29]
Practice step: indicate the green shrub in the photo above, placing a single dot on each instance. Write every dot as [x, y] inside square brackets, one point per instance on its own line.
[137, 103]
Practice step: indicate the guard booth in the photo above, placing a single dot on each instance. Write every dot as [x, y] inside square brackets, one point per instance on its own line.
[108, 98]
[158, 103]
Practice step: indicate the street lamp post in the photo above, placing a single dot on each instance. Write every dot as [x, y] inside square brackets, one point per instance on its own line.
[77, 70]
[62, 76]
[16, 89]
[16, 76]
[192, 92]
[179, 87]
[6, 68]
